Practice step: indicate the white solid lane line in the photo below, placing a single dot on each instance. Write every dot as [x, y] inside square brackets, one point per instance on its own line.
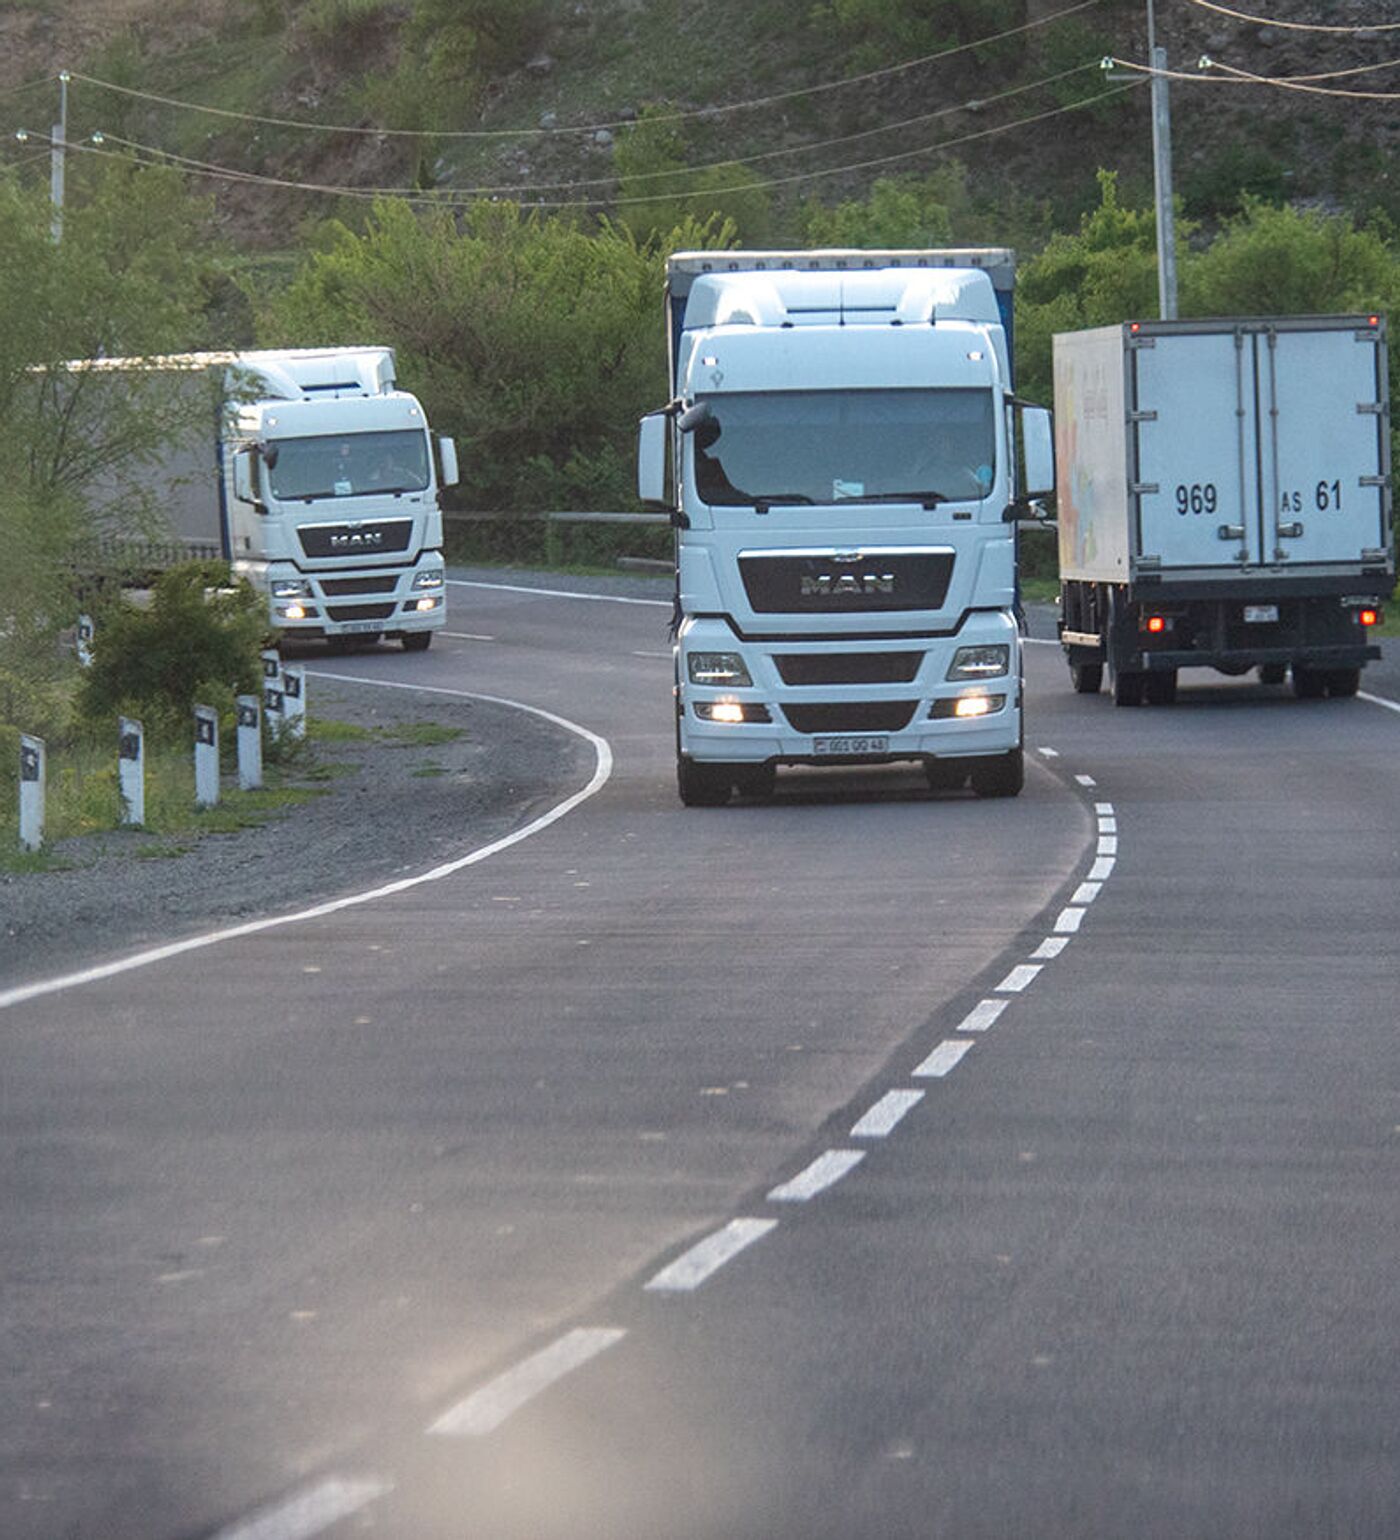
[602, 771]
[309, 1512]
[486, 1409]
[560, 593]
[943, 1060]
[467, 636]
[1378, 700]
[706, 1257]
[885, 1115]
[825, 1171]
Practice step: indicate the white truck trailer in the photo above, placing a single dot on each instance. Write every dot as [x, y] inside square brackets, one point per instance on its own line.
[838, 458]
[1224, 501]
[315, 476]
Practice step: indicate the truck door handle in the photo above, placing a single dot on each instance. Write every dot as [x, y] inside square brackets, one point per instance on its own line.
[1293, 531]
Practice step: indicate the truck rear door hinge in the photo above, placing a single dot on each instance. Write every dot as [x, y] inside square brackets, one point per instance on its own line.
[1373, 481]
[1370, 408]
[1143, 416]
[1144, 488]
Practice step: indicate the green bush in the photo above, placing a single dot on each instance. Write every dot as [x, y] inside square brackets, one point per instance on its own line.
[199, 640]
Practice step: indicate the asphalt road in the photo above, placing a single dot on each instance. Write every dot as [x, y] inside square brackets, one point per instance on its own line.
[867, 1163]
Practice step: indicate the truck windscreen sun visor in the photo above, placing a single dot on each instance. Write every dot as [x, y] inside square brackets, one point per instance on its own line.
[830, 446]
[349, 465]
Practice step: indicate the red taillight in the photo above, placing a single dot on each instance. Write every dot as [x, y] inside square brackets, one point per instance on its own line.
[1156, 624]
[1369, 617]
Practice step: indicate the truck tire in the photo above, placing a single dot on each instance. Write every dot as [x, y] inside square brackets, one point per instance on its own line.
[1128, 688]
[417, 641]
[1160, 687]
[1273, 673]
[703, 785]
[1342, 682]
[1087, 678]
[1002, 777]
[1309, 683]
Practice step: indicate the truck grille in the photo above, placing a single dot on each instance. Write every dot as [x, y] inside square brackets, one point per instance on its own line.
[359, 611]
[381, 583]
[371, 538]
[848, 667]
[842, 583]
[873, 716]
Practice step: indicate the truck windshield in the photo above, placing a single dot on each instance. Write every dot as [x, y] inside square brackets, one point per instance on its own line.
[827, 446]
[349, 465]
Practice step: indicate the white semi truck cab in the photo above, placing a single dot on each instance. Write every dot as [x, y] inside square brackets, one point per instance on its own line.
[330, 494]
[839, 460]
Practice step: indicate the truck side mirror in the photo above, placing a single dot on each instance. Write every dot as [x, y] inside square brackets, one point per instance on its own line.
[651, 462]
[447, 453]
[1037, 452]
[245, 483]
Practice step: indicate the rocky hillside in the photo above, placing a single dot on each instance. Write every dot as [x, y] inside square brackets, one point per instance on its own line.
[535, 109]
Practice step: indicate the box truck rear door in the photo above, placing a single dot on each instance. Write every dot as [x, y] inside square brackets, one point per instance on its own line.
[1197, 473]
[1323, 453]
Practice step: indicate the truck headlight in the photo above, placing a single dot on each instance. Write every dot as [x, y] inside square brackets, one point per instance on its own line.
[290, 588]
[431, 579]
[979, 662]
[965, 707]
[717, 668]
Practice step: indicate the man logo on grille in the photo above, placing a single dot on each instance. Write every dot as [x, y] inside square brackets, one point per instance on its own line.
[840, 585]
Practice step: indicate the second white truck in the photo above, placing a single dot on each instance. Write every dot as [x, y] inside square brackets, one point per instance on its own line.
[1224, 501]
[839, 460]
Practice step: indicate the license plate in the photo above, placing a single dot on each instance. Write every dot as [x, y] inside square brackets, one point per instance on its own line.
[361, 627]
[1260, 614]
[851, 744]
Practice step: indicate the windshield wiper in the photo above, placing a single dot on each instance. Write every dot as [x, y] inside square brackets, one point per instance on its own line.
[768, 500]
[925, 499]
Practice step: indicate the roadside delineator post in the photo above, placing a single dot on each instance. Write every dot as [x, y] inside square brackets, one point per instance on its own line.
[86, 632]
[31, 792]
[249, 743]
[272, 665]
[294, 701]
[206, 756]
[131, 770]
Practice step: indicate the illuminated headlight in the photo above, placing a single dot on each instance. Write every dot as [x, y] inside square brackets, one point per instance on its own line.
[293, 611]
[423, 605]
[431, 579]
[967, 706]
[731, 712]
[717, 668]
[290, 588]
[979, 662]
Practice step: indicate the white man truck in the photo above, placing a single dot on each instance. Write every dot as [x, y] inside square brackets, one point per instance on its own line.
[316, 477]
[1224, 501]
[839, 460]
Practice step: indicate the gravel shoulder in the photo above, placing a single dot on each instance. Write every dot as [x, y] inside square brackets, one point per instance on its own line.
[386, 806]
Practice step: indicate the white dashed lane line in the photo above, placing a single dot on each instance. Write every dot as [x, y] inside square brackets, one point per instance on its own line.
[706, 1257]
[981, 1016]
[943, 1060]
[884, 1116]
[1022, 976]
[486, 1409]
[825, 1171]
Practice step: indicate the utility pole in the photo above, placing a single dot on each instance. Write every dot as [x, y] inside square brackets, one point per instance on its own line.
[58, 141]
[1162, 172]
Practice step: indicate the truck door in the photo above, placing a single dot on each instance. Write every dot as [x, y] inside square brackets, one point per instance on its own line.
[1323, 454]
[1198, 475]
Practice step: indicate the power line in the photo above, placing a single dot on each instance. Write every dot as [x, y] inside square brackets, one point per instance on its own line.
[451, 200]
[1297, 26]
[578, 184]
[1234, 76]
[517, 133]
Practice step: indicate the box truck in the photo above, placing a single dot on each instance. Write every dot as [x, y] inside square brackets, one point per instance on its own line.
[839, 461]
[1224, 501]
[311, 472]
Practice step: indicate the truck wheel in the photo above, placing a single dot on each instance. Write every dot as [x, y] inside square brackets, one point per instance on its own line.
[702, 785]
[755, 781]
[1160, 688]
[1342, 682]
[417, 641]
[1002, 777]
[1087, 678]
[1127, 688]
[1273, 673]
[1309, 683]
